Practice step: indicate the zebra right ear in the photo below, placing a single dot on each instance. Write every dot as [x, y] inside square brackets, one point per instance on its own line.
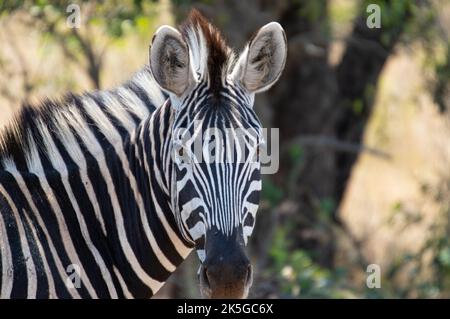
[169, 61]
[263, 60]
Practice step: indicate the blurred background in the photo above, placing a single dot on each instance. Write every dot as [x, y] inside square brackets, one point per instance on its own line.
[364, 118]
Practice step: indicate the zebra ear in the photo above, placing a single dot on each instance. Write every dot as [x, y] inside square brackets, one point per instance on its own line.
[263, 60]
[169, 61]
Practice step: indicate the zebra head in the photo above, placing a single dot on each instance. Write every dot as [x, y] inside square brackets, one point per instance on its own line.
[215, 141]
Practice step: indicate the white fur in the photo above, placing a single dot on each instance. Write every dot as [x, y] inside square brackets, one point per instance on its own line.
[198, 51]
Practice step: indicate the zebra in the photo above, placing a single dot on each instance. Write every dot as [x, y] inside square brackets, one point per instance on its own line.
[102, 194]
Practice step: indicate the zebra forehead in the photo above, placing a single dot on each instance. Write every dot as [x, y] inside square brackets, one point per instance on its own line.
[226, 116]
[210, 56]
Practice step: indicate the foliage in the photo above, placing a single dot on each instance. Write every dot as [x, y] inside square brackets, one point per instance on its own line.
[299, 276]
[435, 282]
[107, 21]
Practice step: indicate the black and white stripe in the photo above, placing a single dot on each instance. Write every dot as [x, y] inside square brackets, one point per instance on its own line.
[100, 183]
[78, 186]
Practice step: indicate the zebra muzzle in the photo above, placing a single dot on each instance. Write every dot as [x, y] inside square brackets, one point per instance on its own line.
[226, 271]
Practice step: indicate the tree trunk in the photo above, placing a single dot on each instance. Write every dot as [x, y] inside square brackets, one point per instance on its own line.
[357, 76]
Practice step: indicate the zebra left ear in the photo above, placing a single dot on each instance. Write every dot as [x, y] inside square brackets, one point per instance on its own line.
[263, 60]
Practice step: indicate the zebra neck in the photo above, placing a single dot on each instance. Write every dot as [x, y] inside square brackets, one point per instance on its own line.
[145, 202]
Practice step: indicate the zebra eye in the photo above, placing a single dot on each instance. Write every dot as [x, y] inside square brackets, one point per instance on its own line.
[181, 152]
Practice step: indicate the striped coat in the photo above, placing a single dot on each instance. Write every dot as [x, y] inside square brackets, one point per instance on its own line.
[61, 201]
[104, 194]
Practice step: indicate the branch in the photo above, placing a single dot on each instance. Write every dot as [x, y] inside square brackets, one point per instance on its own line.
[94, 61]
[337, 145]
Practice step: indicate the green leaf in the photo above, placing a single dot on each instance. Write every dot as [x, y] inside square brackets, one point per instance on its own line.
[271, 192]
[296, 152]
[357, 106]
[444, 257]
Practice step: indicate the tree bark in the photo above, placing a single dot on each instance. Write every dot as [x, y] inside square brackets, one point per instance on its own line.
[357, 76]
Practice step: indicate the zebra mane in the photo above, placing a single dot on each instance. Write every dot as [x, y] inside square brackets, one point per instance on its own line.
[36, 131]
[209, 54]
